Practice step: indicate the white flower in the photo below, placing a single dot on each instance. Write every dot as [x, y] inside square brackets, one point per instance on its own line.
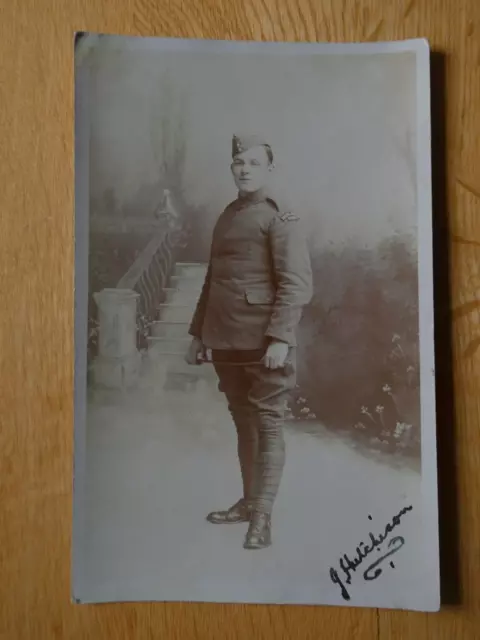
[387, 388]
[305, 410]
[410, 369]
[311, 416]
[395, 337]
[379, 408]
[400, 428]
[364, 410]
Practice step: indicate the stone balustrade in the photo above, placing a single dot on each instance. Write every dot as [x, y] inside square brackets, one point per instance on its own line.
[126, 312]
[118, 361]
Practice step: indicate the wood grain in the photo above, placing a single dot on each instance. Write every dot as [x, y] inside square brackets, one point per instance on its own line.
[36, 351]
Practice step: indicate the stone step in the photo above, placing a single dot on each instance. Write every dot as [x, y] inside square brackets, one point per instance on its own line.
[159, 346]
[187, 283]
[165, 329]
[191, 269]
[175, 313]
[182, 297]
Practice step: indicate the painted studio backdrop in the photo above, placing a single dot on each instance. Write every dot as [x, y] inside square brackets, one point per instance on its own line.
[342, 131]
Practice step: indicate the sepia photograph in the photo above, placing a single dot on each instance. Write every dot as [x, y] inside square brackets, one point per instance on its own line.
[254, 370]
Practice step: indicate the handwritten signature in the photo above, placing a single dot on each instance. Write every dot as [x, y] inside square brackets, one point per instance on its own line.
[349, 565]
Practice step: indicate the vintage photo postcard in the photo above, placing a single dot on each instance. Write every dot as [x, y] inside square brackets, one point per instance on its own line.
[254, 369]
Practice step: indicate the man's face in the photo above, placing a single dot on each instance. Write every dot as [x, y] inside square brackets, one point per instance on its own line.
[250, 169]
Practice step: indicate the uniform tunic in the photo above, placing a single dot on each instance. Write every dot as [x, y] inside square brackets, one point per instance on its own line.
[258, 279]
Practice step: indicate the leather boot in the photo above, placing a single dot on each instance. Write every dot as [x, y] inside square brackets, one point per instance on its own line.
[239, 512]
[259, 533]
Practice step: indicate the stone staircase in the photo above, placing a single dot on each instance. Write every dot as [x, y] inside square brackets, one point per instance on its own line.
[169, 338]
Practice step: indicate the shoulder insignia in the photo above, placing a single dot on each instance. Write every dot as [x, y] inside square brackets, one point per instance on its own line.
[288, 216]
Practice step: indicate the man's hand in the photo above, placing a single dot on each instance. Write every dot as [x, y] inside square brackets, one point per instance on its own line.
[196, 352]
[275, 355]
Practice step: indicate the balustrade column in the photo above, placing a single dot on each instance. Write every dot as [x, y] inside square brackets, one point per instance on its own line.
[117, 365]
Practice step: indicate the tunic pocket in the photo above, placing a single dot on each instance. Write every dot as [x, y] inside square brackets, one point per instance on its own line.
[260, 297]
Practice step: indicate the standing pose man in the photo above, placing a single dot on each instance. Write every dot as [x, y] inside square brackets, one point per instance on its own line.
[258, 280]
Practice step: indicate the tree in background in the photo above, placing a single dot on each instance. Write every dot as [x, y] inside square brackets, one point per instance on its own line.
[168, 135]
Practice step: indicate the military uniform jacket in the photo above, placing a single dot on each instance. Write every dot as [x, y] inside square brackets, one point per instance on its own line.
[258, 279]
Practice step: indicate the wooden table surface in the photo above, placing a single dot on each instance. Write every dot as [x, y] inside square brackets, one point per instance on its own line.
[36, 270]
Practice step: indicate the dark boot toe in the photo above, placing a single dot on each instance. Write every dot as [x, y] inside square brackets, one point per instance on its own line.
[239, 512]
[259, 532]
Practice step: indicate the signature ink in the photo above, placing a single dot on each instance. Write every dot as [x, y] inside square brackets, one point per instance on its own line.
[348, 565]
[335, 578]
[397, 543]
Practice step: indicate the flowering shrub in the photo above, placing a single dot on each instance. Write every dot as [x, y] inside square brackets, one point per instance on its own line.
[299, 409]
[358, 347]
[394, 425]
[392, 422]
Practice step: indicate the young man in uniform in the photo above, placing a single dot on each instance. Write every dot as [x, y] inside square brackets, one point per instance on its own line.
[258, 280]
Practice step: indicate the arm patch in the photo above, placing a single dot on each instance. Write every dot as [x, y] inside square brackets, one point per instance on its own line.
[288, 216]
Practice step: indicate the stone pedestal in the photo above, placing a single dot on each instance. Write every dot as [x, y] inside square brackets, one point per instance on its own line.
[117, 365]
